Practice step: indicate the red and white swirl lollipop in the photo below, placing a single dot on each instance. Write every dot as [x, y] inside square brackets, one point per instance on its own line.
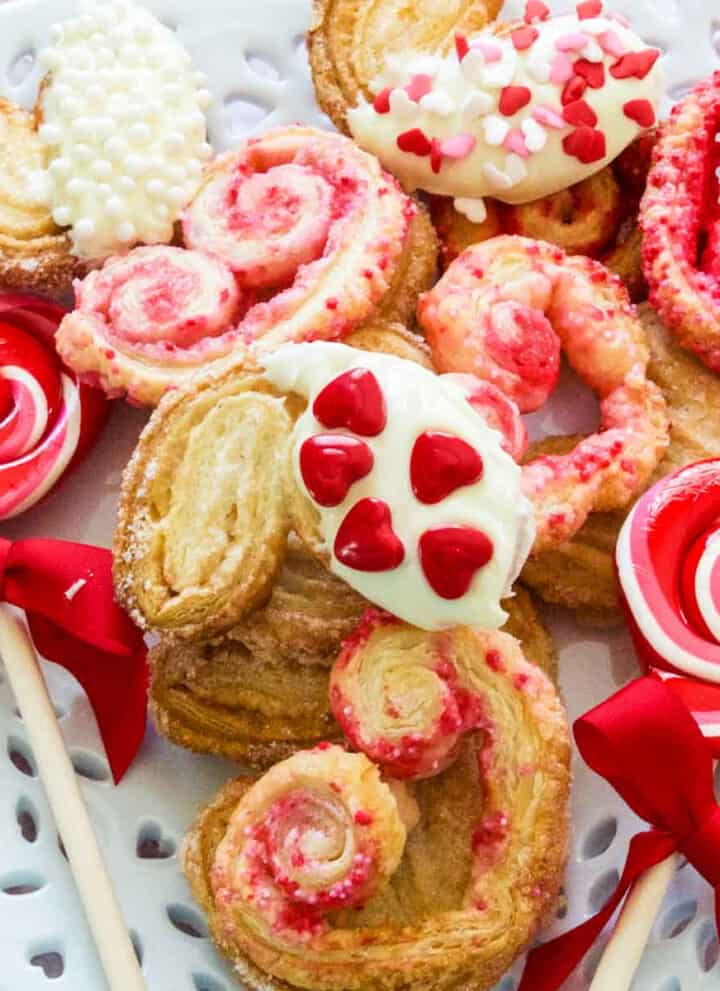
[47, 421]
[668, 560]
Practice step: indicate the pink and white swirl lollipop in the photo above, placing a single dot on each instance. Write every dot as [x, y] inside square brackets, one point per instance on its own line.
[47, 420]
[668, 561]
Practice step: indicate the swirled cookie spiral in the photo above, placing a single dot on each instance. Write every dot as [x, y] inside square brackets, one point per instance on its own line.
[298, 235]
[322, 862]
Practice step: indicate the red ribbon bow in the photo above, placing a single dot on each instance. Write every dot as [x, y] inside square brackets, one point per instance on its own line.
[66, 590]
[647, 745]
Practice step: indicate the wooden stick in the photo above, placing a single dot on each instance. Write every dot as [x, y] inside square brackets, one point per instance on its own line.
[623, 953]
[58, 776]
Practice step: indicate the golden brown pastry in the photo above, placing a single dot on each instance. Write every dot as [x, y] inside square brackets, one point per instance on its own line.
[580, 574]
[35, 255]
[202, 528]
[349, 40]
[325, 874]
[261, 692]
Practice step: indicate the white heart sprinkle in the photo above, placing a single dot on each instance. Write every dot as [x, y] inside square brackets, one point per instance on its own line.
[535, 135]
[497, 179]
[515, 168]
[474, 209]
[477, 104]
[401, 104]
[473, 66]
[539, 67]
[593, 52]
[500, 73]
[438, 103]
[496, 130]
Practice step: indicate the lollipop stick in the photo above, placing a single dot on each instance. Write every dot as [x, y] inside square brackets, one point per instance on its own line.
[623, 953]
[101, 908]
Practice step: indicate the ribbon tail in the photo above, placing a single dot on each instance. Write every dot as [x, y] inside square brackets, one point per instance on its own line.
[550, 965]
[116, 686]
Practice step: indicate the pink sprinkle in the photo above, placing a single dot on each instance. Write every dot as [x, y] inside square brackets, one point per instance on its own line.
[549, 117]
[515, 141]
[573, 42]
[419, 86]
[621, 19]
[561, 69]
[458, 147]
[611, 44]
[489, 50]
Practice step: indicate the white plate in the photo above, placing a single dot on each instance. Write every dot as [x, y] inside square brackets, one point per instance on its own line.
[252, 51]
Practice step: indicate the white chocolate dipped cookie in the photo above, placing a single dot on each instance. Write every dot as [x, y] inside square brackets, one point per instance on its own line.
[516, 112]
[121, 113]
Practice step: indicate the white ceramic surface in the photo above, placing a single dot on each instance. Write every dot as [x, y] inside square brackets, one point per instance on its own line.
[253, 53]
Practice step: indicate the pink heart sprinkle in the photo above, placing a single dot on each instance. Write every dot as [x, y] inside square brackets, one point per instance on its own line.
[458, 147]
[548, 117]
[611, 44]
[489, 50]
[419, 86]
[515, 141]
[561, 69]
[573, 42]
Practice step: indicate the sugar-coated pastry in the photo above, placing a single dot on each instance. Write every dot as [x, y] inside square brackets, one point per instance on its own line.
[349, 42]
[680, 217]
[298, 235]
[261, 692]
[35, 254]
[503, 311]
[580, 573]
[401, 487]
[440, 883]
[516, 112]
[202, 527]
[47, 421]
[121, 113]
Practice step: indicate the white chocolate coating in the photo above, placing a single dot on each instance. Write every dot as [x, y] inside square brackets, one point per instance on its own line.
[517, 157]
[123, 120]
[416, 401]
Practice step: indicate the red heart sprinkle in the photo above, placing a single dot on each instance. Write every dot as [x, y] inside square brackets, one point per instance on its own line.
[636, 64]
[354, 400]
[585, 144]
[415, 142]
[441, 463]
[591, 8]
[592, 72]
[381, 103]
[436, 156]
[451, 555]
[514, 98]
[330, 463]
[641, 111]
[574, 90]
[419, 86]
[535, 10]
[524, 38]
[366, 540]
[580, 112]
[461, 46]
